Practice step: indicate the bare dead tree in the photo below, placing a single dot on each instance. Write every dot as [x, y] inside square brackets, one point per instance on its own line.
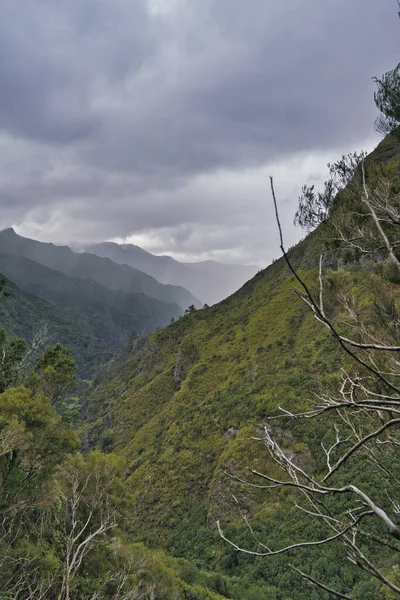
[86, 515]
[40, 338]
[364, 415]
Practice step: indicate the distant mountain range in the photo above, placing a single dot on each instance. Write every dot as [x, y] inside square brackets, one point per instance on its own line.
[89, 303]
[90, 266]
[209, 281]
[108, 316]
[92, 301]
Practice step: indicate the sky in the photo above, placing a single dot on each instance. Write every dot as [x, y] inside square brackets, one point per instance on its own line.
[158, 122]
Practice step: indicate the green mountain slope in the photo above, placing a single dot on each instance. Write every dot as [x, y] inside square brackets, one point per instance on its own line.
[88, 266]
[25, 315]
[109, 316]
[182, 406]
[190, 392]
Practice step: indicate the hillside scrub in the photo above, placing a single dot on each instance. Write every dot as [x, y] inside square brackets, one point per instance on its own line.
[364, 411]
[239, 361]
[171, 440]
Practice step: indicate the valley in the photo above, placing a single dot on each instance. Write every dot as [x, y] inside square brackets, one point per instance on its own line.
[199, 300]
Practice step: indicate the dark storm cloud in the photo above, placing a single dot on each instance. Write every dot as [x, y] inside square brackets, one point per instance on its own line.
[118, 117]
[51, 53]
[237, 84]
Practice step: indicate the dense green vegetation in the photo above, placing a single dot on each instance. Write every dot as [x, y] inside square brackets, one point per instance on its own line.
[60, 530]
[182, 406]
[104, 316]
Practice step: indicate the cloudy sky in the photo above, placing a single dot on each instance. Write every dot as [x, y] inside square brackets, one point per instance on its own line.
[159, 121]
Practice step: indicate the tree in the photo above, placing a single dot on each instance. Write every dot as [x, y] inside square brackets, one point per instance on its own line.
[363, 416]
[38, 342]
[387, 99]
[89, 488]
[12, 352]
[315, 207]
[191, 309]
[33, 443]
[53, 372]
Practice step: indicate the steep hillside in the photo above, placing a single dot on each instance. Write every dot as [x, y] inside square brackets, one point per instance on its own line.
[89, 266]
[183, 405]
[25, 315]
[209, 280]
[188, 392]
[108, 316]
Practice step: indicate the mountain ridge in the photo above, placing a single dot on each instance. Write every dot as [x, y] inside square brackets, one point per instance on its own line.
[102, 270]
[107, 316]
[209, 280]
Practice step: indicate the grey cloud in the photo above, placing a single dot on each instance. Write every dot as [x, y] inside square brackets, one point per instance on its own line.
[52, 53]
[111, 113]
[241, 99]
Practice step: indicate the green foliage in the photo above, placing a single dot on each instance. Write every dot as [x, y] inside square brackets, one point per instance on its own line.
[239, 361]
[387, 99]
[314, 208]
[56, 503]
[53, 372]
[12, 352]
[33, 443]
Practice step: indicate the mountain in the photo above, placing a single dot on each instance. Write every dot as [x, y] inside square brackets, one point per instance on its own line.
[208, 280]
[181, 407]
[188, 395]
[89, 266]
[26, 316]
[104, 315]
[187, 404]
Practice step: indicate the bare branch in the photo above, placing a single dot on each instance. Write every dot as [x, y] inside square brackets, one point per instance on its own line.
[321, 585]
[360, 444]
